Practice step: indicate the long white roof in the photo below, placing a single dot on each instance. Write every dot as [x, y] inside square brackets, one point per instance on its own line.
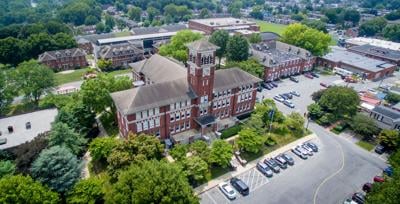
[375, 42]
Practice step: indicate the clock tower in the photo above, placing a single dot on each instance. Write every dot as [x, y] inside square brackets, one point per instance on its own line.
[200, 73]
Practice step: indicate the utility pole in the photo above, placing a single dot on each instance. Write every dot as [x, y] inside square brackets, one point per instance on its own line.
[308, 119]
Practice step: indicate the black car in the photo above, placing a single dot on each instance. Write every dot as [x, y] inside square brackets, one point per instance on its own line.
[288, 159]
[274, 84]
[282, 163]
[358, 198]
[264, 169]
[259, 88]
[240, 186]
[379, 149]
[294, 79]
[314, 74]
[289, 95]
[313, 146]
[266, 85]
[367, 187]
[272, 164]
[284, 96]
[298, 153]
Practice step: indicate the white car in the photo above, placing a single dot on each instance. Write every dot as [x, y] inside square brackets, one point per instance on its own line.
[279, 98]
[227, 190]
[303, 151]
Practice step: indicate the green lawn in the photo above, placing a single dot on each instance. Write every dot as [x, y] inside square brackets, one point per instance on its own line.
[76, 75]
[366, 145]
[271, 27]
[122, 71]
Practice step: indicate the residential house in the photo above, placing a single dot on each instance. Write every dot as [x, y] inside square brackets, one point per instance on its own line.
[60, 60]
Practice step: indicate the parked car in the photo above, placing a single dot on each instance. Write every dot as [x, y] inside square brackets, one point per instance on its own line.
[227, 190]
[349, 201]
[367, 187]
[308, 75]
[274, 84]
[313, 146]
[308, 149]
[388, 171]
[298, 153]
[295, 93]
[3, 141]
[240, 186]
[282, 163]
[314, 74]
[380, 149]
[264, 169]
[288, 104]
[259, 88]
[289, 95]
[288, 159]
[272, 164]
[358, 198]
[266, 85]
[285, 97]
[303, 151]
[294, 79]
[323, 85]
[379, 179]
[278, 98]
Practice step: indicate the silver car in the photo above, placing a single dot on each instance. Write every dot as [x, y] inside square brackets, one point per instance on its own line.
[227, 190]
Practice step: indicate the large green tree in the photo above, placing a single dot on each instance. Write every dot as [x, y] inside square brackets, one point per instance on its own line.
[389, 138]
[237, 48]
[196, 169]
[200, 148]
[295, 122]
[62, 135]
[372, 27]
[179, 152]
[251, 66]
[58, 168]
[392, 98]
[364, 125]
[177, 47]
[250, 141]
[340, 101]
[308, 38]
[100, 148]
[135, 13]
[23, 189]
[6, 90]
[96, 92]
[152, 182]
[77, 116]
[87, 191]
[33, 80]
[221, 153]
[220, 38]
[13, 50]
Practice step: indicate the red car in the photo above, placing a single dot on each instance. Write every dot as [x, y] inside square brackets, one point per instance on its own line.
[379, 179]
[308, 75]
[323, 85]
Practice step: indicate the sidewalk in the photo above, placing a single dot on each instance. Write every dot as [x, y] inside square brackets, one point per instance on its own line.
[211, 184]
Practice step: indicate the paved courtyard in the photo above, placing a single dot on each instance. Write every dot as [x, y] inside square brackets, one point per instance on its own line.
[339, 169]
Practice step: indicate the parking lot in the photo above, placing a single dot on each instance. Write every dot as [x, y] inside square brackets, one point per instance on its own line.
[339, 169]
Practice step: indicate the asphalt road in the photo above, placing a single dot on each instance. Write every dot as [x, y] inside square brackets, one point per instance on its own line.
[332, 175]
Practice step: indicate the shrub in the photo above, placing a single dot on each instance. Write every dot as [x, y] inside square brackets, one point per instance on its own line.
[231, 131]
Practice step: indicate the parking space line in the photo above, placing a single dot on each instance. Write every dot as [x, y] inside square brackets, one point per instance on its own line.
[258, 177]
[252, 178]
[223, 195]
[210, 197]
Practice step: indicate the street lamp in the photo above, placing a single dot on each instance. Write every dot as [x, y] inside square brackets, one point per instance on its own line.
[306, 115]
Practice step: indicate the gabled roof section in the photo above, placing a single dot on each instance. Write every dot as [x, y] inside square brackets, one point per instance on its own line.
[232, 78]
[160, 69]
[152, 96]
[387, 112]
[109, 51]
[56, 54]
[201, 45]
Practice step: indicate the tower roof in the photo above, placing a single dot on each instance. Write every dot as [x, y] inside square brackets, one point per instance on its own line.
[201, 45]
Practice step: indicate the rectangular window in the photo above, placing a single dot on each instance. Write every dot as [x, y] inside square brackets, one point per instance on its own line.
[151, 123]
[177, 116]
[157, 133]
[145, 125]
[171, 107]
[157, 121]
[188, 113]
[157, 111]
[139, 126]
[138, 115]
[171, 130]
[182, 126]
[172, 118]
[182, 115]
[188, 125]
[177, 128]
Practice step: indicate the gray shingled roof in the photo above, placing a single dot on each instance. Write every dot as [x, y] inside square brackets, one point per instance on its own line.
[109, 51]
[387, 112]
[55, 54]
[269, 36]
[231, 78]
[153, 95]
[160, 69]
[159, 29]
[201, 45]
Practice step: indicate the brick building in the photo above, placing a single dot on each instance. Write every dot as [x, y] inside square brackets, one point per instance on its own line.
[64, 59]
[185, 103]
[120, 54]
[379, 53]
[365, 67]
[209, 25]
[281, 59]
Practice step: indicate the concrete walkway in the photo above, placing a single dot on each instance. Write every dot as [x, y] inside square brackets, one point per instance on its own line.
[250, 165]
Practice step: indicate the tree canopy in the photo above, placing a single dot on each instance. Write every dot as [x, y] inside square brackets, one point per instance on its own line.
[23, 189]
[87, 191]
[249, 140]
[62, 135]
[7, 167]
[220, 38]
[372, 27]
[221, 153]
[340, 101]
[7, 91]
[152, 182]
[100, 148]
[389, 138]
[177, 47]
[58, 168]
[364, 125]
[308, 38]
[237, 48]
